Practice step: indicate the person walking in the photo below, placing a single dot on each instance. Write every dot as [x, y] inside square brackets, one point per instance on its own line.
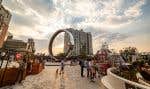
[81, 63]
[93, 70]
[88, 67]
[62, 65]
[22, 68]
[29, 66]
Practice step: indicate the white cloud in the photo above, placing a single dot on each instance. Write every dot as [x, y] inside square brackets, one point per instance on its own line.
[135, 10]
[39, 18]
[98, 13]
[51, 15]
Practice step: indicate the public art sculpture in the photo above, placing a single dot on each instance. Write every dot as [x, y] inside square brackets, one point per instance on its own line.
[70, 43]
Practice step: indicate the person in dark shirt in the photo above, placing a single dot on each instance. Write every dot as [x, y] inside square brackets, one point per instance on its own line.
[81, 63]
[22, 68]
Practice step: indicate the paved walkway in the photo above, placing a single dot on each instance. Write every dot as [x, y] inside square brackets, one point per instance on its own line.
[48, 79]
[44, 80]
[74, 81]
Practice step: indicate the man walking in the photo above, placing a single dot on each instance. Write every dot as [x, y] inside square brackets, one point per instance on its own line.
[81, 63]
[22, 68]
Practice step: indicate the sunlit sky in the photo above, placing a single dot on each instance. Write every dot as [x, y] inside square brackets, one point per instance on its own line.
[120, 23]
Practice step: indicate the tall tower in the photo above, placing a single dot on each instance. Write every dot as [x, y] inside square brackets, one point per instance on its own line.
[5, 17]
[82, 40]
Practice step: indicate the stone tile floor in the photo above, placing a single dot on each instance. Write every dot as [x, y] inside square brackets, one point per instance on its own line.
[73, 80]
[48, 79]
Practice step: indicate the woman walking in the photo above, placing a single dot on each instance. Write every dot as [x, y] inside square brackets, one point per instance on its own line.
[92, 65]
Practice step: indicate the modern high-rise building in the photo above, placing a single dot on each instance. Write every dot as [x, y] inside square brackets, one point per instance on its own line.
[83, 42]
[5, 17]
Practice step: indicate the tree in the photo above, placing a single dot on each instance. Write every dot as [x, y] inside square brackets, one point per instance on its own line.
[127, 53]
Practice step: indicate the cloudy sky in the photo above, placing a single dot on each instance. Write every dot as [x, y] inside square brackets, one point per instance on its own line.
[120, 23]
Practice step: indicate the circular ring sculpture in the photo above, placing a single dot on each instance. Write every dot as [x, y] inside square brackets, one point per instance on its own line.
[70, 44]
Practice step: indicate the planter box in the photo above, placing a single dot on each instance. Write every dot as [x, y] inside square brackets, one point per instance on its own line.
[36, 68]
[10, 76]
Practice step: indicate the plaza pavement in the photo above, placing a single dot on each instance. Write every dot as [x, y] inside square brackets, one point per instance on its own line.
[75, 81]
[48, 79]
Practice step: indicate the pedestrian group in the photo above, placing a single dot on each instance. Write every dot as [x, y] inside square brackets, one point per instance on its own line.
[92, 68]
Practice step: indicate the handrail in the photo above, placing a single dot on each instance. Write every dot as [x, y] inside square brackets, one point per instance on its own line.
[109, 71]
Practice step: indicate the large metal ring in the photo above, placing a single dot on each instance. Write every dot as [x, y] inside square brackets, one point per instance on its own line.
[70, 44]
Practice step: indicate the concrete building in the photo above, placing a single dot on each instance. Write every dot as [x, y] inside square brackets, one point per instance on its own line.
[5, 17]
[83, 42]
[18, 45]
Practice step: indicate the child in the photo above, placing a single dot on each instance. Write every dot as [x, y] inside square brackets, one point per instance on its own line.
[62, 67]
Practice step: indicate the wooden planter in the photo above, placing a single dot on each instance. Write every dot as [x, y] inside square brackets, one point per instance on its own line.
[36, 68]
[10, 76]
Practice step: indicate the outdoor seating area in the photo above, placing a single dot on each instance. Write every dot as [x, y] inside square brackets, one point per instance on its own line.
[17, 69]
[9, 76]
